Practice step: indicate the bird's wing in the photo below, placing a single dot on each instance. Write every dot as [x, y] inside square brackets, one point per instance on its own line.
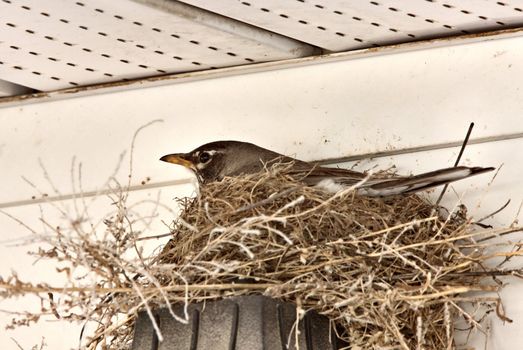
[317, 175]
[423, 181]
[386, 185]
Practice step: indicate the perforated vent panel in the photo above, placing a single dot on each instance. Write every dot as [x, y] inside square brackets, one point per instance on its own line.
[339, 25]
[56, 44]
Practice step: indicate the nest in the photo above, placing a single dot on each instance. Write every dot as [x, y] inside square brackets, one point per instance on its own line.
[390, 273]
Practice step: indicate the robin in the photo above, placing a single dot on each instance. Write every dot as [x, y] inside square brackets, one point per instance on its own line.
[215, 160]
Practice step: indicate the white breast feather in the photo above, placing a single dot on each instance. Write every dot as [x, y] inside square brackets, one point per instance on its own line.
[329, 185]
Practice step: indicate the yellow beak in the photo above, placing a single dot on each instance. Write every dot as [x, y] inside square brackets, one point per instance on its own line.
[178, 158]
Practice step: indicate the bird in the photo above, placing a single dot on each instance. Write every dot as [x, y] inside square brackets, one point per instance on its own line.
[215, 160]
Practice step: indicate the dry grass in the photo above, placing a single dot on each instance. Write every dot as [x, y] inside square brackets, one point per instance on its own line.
[391, 273]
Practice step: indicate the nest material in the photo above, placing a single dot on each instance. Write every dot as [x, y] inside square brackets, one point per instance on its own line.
[388, 272]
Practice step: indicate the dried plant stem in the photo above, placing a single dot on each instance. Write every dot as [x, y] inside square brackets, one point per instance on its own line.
[390, 273]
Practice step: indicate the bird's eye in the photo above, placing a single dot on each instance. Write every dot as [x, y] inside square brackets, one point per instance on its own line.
[204, 157]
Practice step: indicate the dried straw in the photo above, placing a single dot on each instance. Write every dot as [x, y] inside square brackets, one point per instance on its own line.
[390, 273]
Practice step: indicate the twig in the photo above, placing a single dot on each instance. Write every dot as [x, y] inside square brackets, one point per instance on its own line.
[465, 141]
[171, 288]
[493, 213]
[132, 147]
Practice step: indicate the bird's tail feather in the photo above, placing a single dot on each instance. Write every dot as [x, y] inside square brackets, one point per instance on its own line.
[422, 181]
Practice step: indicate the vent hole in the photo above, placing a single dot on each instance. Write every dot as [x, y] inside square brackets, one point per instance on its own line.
[105, 55]
[137, 23]
[11, 25]
[157, 30]
[124, 61]
[44, 14]
[33, 53]
[302, 21]
[140, 46]
[231, 54]
[118, 16]
[102, 33]
[159, 52]
[143, 66]
[177, 58]
[17, 67]
[64, 20]
[321, 28]
[196, 63]
[358, 40]
[121, 40]
[55, 78]
[71, 64]
[36, 73]
[338, 12]
[175, 36]
[83, 27]
[89, 69]
[108, 74]
[265, 10]
[68, 44]
[86, 49]
[194, 42]
[49, 37]
[283, 15]
[161, 71]
[340, 34]
[30, 31]
[99, 10]
[73, 83]
[213, 48]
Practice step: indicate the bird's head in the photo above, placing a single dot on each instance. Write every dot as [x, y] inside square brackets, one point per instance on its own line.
[215, 160]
